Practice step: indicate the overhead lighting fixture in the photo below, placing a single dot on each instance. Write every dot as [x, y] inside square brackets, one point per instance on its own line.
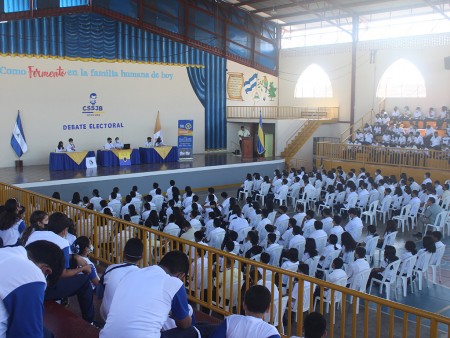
[273, 12]
[3, 21]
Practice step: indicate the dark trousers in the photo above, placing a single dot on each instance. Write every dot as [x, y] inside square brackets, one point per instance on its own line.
[76, 285]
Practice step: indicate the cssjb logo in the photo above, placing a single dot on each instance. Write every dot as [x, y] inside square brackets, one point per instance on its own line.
[93, 109]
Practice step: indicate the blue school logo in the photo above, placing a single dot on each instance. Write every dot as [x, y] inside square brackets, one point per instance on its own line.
[93, 109]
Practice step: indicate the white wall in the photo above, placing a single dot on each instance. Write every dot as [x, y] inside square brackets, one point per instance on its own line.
[47, 104]
[284, 130]
[427, 53]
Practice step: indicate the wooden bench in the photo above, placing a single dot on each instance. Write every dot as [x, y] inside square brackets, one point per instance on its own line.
[65, 324]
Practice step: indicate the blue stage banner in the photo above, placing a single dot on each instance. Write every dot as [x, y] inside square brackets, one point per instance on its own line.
[185, 139]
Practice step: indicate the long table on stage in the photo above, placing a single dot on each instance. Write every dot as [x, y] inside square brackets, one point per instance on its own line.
[70, 160]
[159, 154]
[111, 158]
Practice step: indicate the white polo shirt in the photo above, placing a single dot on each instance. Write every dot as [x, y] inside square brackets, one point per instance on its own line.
[142, 303]
[50, 236]
[111, 281]
[238, 326]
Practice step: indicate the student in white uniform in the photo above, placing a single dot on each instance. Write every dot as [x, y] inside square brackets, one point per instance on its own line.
[71, 281]
[11, 225]
[132, 315]
[71, 146]
[22, 294]
[149, 142]
[118, 144]
[360, 264]
[60, 148]
[256, 304]
[132, 254]
[108, 145]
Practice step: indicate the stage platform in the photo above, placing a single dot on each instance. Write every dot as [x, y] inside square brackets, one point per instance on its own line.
[210, 169]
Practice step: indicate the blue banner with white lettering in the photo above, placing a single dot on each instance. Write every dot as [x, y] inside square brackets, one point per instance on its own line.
[185, 139]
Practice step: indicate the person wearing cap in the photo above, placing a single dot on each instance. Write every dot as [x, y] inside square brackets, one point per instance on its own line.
[72, 281]
[243, 132]
[112, 276]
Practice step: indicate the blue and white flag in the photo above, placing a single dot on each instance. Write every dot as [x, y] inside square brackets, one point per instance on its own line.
[251, 83]
[18, 142]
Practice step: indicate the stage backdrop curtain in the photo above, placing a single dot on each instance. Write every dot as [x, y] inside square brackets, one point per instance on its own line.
[95, 36]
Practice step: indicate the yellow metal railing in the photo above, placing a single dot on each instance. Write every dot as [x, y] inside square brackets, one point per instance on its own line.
[211, 289]
[349, 133]
[275, 112]
[405, 157]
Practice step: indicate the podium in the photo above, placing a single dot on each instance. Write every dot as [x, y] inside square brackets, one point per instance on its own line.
[247, 147]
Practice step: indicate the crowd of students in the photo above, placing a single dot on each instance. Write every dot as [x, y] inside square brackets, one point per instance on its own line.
[389, 130]
[306, 242]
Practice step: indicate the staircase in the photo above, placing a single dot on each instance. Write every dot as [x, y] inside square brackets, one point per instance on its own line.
[301, 137]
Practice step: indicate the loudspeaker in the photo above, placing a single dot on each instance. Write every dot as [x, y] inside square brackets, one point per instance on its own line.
[44, 4]
[447, 62]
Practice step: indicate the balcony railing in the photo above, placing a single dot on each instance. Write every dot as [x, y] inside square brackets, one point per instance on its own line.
[207, 287]
[279, 113]
[404, 157]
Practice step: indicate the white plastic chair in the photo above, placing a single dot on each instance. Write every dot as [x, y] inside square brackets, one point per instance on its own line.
[340, 197]
[217, 239]
[275, 254]
[393, 267]
[282, 198]
[411, 261]
[435, 263]
[242, 234]
[247, 188]
[337, 297]
[371, 213]
[173, 232]
[313, 265]
[320, 243]
[350, 204]
[301, 249]
[402, 219]
[439, 223]
[328, 202]
[271, 216]
[389, 239]
[422, 272]
[263, 193]
[384, 210]
[135, 219]
[326, 268]
[293, 195]
[360, 280]
[304, 199]
[371, 246]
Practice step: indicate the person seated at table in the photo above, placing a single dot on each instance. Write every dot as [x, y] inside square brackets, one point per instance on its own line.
[60, 148]
[149, 142]
[117, 144]
[159, 142]
[71, 146]
[108, 145]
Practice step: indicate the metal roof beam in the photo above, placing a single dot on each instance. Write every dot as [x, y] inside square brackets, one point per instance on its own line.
[360, 13]
[437, 9]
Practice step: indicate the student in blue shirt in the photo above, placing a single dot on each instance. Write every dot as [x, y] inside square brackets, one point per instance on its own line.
[22, 293]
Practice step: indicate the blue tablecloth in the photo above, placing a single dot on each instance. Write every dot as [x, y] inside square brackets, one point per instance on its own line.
[149, 155]
[107, 158]
[62, 161]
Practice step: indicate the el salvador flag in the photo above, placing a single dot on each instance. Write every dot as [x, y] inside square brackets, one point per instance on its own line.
[18, 142]
[250, 83]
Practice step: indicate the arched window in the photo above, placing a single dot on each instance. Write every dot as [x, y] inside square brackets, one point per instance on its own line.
[401, 79]
[313, 82]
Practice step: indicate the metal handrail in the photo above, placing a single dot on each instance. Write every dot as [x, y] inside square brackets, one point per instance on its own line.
[108, 248]
[282, 112]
